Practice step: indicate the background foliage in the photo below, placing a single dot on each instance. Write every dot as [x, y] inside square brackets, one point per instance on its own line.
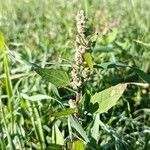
[43, 32]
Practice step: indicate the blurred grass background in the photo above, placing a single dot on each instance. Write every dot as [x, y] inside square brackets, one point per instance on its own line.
[43, 31]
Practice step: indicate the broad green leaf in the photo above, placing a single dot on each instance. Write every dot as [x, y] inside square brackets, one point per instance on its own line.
[57, 137]
[64, 113]
[139, 72]
[142, 74]
[108, 65]
[108, 98]
[88, 59]
[78, 145]
[55, 76]
[75, 124]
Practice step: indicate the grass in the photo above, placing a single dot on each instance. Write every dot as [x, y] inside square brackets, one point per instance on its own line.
[43, 33]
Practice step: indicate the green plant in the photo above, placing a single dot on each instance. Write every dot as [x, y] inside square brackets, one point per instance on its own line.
[83, 102]
[70, 109]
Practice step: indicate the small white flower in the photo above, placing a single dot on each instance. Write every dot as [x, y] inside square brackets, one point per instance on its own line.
[83, 50]
[72, 103]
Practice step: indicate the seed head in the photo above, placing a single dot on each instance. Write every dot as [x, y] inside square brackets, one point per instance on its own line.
[80, 72]
[81, 21]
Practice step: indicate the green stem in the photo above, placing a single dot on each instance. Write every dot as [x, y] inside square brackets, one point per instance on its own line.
[8, 83]
[8, 88]
[86, 7]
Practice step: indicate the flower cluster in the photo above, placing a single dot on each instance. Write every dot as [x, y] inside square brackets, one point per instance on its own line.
[80, 72]
[81, 23]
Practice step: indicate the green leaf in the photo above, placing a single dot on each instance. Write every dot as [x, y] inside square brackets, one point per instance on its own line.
[37, 97]
[139, 72]
[55, 76]
[57, 137]
[75, 124]
[39, 127]
[54, 91]
[88, 59]
[108, 98]
[95, 128]
[64, 113]
[108, 65]
[8, 83]
[103, 49]
[55, 147]
[112, 36]
[142, 74]
[78, 145]
[40, 97]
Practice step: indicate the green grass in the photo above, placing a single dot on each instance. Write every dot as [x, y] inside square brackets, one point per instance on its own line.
[43, 33]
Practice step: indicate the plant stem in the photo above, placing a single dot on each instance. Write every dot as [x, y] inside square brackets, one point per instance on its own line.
[8, 83]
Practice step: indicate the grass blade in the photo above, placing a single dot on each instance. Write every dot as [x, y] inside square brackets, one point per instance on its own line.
[75, 124]
[7, 79]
